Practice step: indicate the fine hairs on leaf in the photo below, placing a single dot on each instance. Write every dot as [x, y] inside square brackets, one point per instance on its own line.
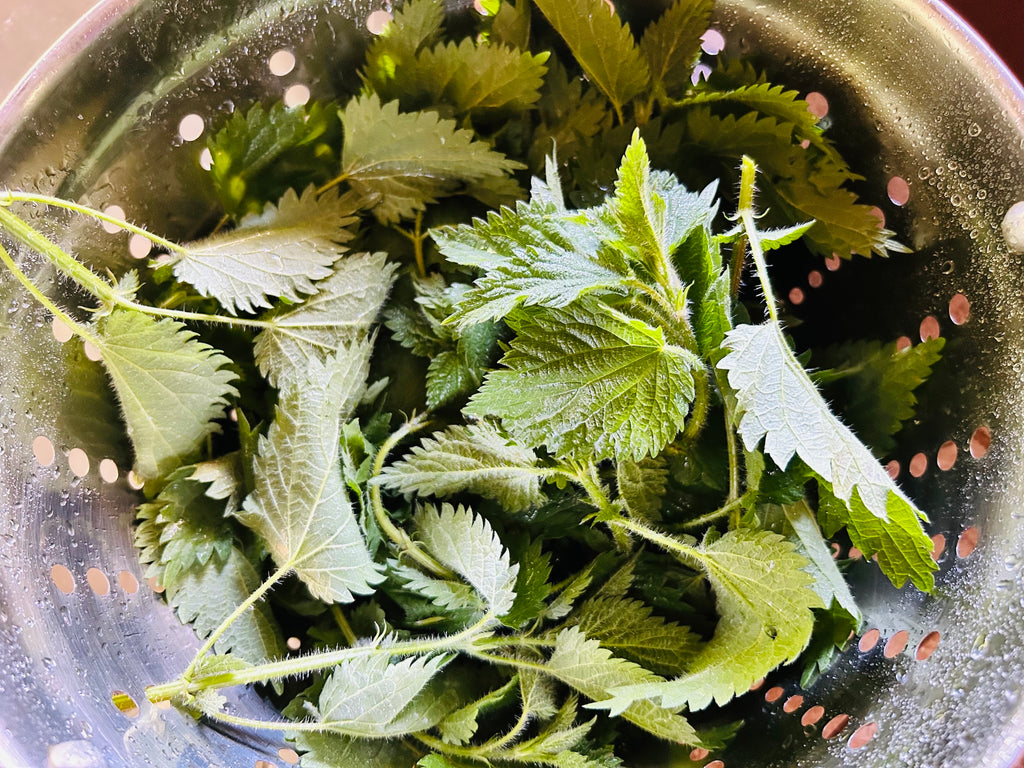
[278, 253]
[300, 506]
[171, 387]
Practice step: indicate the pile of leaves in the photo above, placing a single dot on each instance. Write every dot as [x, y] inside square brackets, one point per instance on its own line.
[465, 395]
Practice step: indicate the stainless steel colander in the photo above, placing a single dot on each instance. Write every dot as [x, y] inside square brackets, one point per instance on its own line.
[934, 122]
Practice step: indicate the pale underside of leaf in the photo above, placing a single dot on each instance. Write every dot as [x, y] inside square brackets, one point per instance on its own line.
[780, 404]
[367, 695]
[467, 544]
[581, 663]
[764, 602]
[300, 506]
[279, 253]
[170, 386]
[344, 309]
[474, 458]
[205, 595]
[828, 580]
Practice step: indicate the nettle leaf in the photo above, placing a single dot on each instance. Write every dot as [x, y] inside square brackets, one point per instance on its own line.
[469, 77]
[877, 382]
[551, 746]
[629, 629]
[405, 161]
[828, 581]
[170, 386]
[415, 26]
[468, 545]
[329, 750]
[902, 547]
[474, 458]
[603, 46]
[571, 112]
[262, 153]
[642, 485]
[589, 382]
[181, 529]
[582, 664]
[206, 595]
[535, 255]
[512, 23]
[532, 587]
[461, 725]
[444, 593]
[764, 600]
[278, 253]
[651, 212]
[344, 309]
[89, 415]
[671, 45]
[367, 695]
[778, 402]
[299, 505]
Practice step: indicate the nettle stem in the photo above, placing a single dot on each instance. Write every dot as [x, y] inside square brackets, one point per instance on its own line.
[92, 283]
[316, 662]
[748, 178]
[399, 537]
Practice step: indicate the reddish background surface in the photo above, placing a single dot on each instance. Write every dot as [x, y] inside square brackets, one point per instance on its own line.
[1001, 23]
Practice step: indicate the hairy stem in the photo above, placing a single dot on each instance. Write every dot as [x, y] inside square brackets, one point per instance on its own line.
[246, 605]
[748, 177]
[44, 300]
[315, 662]
[687, 554]
[8, 197]
[399, 537]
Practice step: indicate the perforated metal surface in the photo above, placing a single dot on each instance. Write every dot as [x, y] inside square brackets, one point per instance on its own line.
[938, 131]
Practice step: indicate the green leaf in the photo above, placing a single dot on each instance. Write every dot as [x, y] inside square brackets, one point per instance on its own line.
[461, 725]
[553, 744]
[833, 628]
[260, 154]
[535, 255]
[181, 529]
[330, 750]
[772, 239]
[206, 595]
[89, 415]
[299, 505]
[603, 46]
[405, 161]
[902, 547]
[512, 24]
[589, 382]
[828, 581]
[764, 600]
[475, 459]
[571, 113]
[652, 213]
[642, 485]
[415, 26]
[224, 477]
[582, 664]
[367, 695]
[278, 253]
[444, 593]
[778, 402]
[469, 77]
[468, 545]
[532, 588]
[877, 383]
[671, 45]
[629, 629]
[170, 386]
[344, 309]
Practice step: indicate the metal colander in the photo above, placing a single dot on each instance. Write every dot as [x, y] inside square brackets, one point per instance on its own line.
[934, 122]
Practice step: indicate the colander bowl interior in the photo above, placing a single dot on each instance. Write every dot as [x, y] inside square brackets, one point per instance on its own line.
[926, 114]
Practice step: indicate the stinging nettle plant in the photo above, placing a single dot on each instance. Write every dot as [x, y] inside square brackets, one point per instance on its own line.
[622, 510]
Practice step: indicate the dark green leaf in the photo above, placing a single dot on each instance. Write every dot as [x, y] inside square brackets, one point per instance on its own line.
[671, 45]
[586, 381]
